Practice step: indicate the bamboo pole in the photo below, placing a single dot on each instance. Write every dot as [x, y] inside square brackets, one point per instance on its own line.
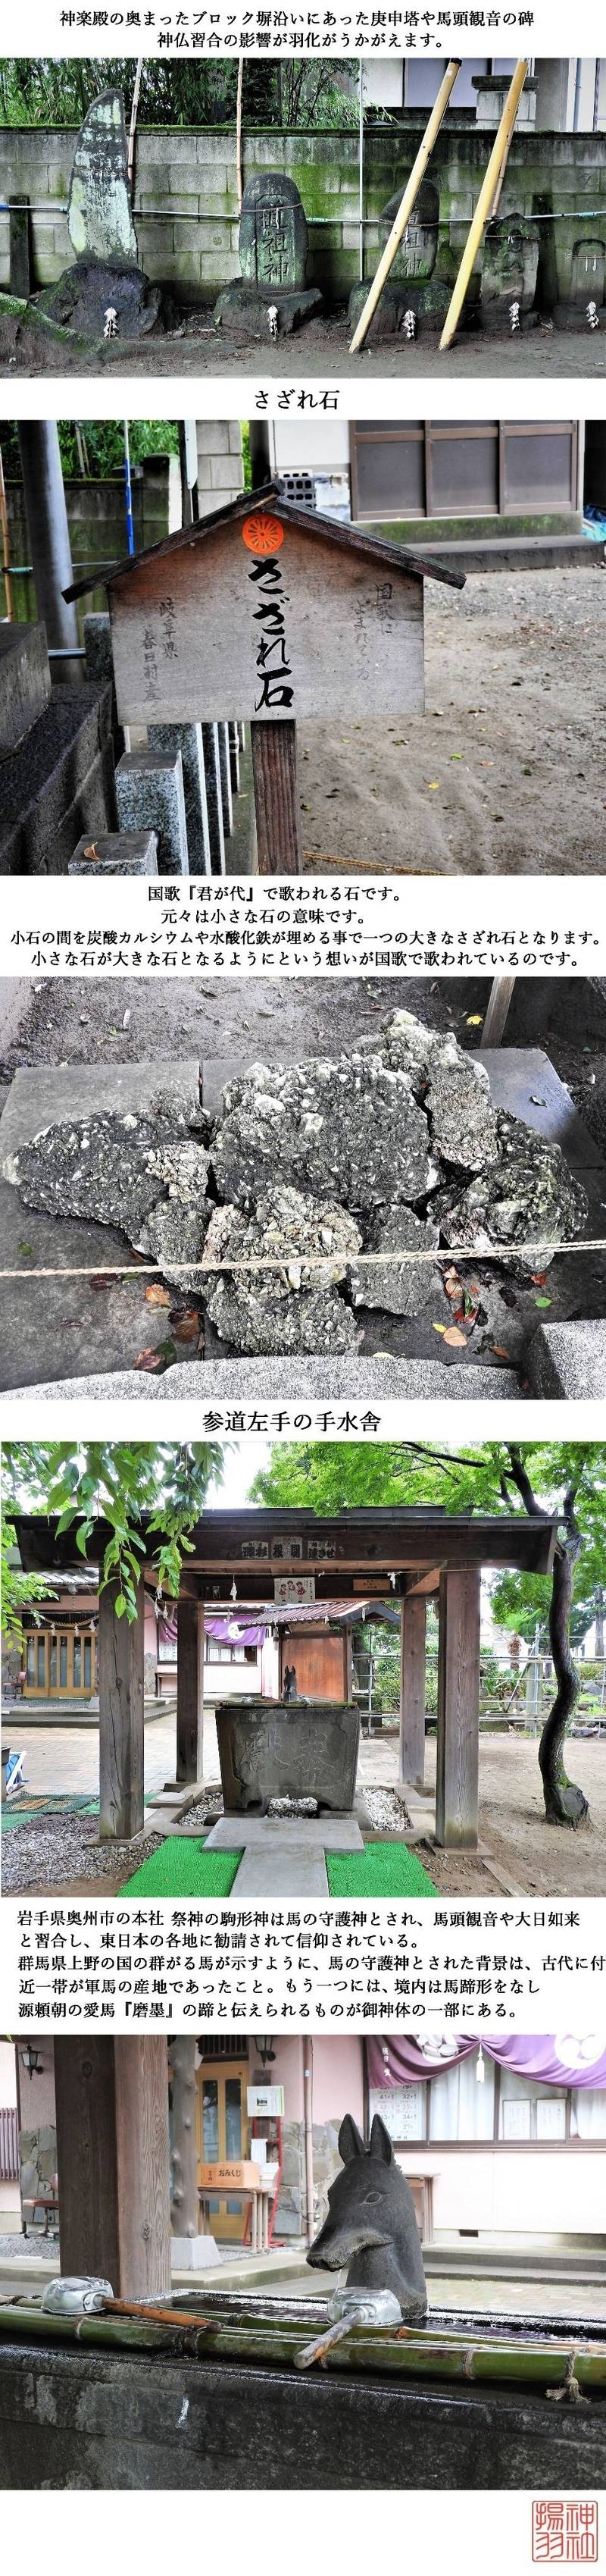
[401, 2353]
[485, 200]
[411, 192]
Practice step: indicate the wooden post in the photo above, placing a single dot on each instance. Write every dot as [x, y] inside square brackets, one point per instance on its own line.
[501, 991]
[190, 1685]
[277, 809]
[458, 1710]
[413, 1619]
[480, 218]
[184, 2205]
[411, 192]
[111, 2098]
[120, 1719]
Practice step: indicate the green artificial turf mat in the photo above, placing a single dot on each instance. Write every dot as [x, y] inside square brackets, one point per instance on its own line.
[382, 1869]
[183, 1867]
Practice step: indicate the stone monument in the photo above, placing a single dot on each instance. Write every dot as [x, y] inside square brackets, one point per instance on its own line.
[412, 285]
[106, 275]
[273, 245]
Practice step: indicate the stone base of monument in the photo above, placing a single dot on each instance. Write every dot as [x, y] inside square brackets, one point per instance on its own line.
[81, 299]
[240, 308]
[573, 317]
[427, 298]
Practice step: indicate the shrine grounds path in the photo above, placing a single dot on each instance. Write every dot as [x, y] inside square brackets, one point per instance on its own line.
[320, 349]
[536, 1857]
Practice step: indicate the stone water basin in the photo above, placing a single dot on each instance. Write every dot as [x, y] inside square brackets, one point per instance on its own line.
[287, 1749]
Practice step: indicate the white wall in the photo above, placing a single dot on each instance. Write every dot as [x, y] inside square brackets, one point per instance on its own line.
[532, 2194]
[305, 446]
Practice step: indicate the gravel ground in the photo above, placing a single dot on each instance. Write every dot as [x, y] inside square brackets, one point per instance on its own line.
[503, 774]
[56, 1850]
[387, 1810]
[37, 2246]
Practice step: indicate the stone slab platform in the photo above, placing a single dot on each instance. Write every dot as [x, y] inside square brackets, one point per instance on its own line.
[282, 1856]
[363, 1383]
[568, 1361]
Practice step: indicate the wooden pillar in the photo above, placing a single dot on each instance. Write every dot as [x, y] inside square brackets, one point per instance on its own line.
[413, 1621]
[458, 1710]
[121, 1672]
[190, 1689]
[277, 808]
[111, 2098]
[184, 2205]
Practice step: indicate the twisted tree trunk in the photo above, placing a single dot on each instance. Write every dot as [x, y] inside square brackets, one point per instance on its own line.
[564, 1804]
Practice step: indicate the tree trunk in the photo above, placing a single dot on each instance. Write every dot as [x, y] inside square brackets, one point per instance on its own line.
[184, 2206]
[564, 1804]
[599, 1622]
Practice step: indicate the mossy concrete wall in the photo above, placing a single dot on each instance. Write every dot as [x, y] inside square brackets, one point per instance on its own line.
[186, 210]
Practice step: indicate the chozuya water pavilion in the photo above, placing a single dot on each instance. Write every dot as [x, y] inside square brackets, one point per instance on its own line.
[252, 1556]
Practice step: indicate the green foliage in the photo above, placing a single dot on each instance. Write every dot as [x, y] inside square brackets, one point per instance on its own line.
[118, 1481]
[96, 447]
[287, 94]
[337, 1475]
[18, 1590]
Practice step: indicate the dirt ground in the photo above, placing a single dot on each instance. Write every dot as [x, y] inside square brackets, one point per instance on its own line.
[320, 349]
[543, 1860]
[504, 773]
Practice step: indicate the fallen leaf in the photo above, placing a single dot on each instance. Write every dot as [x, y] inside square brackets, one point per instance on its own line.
[151, 1358]
[537, 1104]
[101, 1279]
[453, 1335]
[500, 1352]
[27, 1250]
[157, 1296]
[542, 1301]
[186, 1327]
[538, 1278]
[474, 1021]
[433, 782]
[91, 852]
[439, 1328]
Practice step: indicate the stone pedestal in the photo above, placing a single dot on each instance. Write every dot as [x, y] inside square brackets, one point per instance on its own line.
[117, 854]
[169, 739]
[214, 799]
[150, 797]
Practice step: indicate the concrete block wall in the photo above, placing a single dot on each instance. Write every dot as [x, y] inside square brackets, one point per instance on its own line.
[220, 463]
[186, 209]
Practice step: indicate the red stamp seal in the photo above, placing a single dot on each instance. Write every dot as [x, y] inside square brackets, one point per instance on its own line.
[262, 534]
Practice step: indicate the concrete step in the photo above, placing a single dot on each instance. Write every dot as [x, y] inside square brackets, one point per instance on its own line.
[58, 783]
[514, 554]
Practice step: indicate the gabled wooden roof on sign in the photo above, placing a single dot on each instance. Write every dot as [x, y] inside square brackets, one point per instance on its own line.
[313, 523]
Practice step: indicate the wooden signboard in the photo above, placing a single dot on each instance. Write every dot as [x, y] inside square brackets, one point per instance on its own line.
[237, 2175]
[268, 613]
[270, 618]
